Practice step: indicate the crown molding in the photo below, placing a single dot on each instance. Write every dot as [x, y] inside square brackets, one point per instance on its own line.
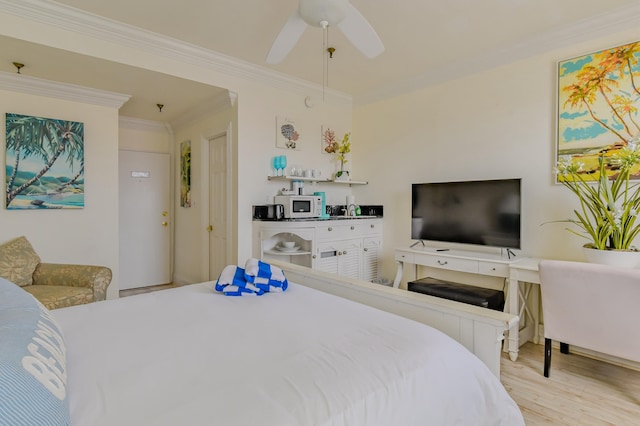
[72, 19]
[87, 24]
[209, 107]
[142, 125]
[616, 21]
[21, 83]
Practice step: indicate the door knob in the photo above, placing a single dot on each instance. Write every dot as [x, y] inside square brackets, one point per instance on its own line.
[209, 228]
[165, 223]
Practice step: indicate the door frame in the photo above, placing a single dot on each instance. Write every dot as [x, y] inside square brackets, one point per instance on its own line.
[204, 206]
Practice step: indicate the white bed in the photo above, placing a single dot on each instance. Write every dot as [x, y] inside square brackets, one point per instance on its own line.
[190, 356]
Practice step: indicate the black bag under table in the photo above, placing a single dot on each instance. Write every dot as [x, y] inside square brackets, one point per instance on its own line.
[479, 296]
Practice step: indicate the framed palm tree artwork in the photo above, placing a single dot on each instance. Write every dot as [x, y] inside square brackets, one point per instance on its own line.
[598, 103]
[185, 174]
[44, 163]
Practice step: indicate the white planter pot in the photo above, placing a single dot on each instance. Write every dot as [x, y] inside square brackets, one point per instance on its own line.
[619, 258]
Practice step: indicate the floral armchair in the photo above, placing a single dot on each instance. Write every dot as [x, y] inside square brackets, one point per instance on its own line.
[54, 285]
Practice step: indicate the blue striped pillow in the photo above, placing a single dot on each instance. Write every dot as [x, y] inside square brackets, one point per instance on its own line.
[33, 374]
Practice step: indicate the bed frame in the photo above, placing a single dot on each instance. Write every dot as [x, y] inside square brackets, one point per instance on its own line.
[479, 329]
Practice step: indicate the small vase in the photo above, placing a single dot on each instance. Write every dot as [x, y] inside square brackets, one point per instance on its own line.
[619, 258]
[342, 175]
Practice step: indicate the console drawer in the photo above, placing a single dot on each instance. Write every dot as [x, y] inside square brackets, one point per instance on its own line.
[494, 269]
[333, 232]
[453, 264]
[405, 257]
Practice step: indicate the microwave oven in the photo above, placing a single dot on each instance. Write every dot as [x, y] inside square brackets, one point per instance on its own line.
[300, 206]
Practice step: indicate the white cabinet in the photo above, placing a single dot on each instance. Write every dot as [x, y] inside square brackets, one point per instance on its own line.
[371, 252]
[371, 249]
[340, 257]
[268, 241]
[347, 247]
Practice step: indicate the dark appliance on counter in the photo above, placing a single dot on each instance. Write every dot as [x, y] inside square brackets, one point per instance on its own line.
[268, 212]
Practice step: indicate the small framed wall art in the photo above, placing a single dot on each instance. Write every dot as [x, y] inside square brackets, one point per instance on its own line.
[185, 174]
[287, 135]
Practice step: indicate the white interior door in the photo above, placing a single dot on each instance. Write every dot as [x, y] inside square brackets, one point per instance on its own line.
[218, 205]
[145, 231]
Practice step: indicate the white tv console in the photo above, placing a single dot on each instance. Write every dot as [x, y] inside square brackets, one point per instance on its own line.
[521, 273]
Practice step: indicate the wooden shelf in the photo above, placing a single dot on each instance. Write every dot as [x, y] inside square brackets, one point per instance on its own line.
[308, 179]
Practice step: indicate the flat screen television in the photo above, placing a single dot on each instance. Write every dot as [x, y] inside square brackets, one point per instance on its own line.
[481, 212]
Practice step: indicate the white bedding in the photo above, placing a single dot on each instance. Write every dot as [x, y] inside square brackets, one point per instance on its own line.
[190, 356]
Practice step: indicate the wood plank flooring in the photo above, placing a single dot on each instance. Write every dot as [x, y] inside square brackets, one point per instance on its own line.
[141, 290]
[580, 390]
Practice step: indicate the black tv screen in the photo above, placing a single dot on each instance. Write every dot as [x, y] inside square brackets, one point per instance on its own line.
[483, 212]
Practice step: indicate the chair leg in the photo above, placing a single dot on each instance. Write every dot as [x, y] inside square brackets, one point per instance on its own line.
[547, 356]
[564, 348]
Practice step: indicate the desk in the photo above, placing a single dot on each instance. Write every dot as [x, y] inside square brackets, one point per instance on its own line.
[520, 273]
[523, 277]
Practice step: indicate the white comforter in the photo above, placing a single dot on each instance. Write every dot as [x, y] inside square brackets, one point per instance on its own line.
[190, 356]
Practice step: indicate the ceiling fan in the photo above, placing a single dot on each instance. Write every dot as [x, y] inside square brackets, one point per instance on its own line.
[323, 14]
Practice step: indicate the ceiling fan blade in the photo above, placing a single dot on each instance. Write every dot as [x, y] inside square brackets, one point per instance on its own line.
[360, 33]
[288, 37]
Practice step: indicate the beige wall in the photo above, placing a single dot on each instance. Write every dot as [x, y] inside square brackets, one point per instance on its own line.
[498, 123]
[258, 103]
[141, 135]
[84, 236]
[191, 237]
[493, 124]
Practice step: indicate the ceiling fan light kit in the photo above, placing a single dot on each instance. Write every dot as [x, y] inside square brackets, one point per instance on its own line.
[326, 13]
[320, 13]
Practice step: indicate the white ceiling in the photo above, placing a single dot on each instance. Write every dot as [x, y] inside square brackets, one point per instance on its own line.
[425, 41]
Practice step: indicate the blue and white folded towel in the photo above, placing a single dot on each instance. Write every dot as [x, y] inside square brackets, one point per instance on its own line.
[265, 276]
[255, 279]
[233, 283]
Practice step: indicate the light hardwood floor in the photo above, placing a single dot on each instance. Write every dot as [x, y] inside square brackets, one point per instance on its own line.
[134, 291]
[580, 390]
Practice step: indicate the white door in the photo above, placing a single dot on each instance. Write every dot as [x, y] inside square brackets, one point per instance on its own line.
[218, 205]
[145, 231]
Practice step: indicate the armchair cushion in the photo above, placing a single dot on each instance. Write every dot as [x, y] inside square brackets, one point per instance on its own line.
[58, 285]
[58, 296]
[18, 261]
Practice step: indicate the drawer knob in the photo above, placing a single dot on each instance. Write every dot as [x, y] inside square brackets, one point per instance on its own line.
[344, 252]
[313, 257]
[372, 225]
[366, 249]
[330, 229]
[353, 227]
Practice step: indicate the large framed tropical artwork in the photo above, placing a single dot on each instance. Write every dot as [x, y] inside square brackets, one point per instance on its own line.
[44, 163]
[598, 103]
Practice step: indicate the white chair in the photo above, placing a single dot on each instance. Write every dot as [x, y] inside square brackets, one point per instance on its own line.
[596, 307]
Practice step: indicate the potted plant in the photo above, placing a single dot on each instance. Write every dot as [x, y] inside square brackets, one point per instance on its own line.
[609, 208]
[341, 149]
